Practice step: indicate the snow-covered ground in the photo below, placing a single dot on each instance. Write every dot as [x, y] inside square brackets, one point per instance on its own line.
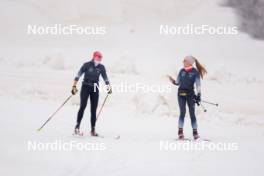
[37, 73]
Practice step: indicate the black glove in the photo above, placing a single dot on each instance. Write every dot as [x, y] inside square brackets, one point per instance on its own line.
[74, 90]
[197, 99]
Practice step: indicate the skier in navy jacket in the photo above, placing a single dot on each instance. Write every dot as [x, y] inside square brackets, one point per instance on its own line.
[91, 70]
[186, 79]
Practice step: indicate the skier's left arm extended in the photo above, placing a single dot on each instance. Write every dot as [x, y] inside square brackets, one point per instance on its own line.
[105, 77]
[106, 80]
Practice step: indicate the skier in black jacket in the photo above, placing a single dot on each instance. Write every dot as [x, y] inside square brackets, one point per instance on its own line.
[91, 70]
[187, 77]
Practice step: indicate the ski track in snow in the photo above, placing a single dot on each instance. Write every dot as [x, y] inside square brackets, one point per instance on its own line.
[136, 152]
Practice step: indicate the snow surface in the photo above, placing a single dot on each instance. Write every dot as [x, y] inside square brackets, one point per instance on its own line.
[37, 73]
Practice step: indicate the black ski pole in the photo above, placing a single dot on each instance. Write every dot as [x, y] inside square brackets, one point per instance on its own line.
[55, 112]
[205, 110]
[102, 107]
[215, 104]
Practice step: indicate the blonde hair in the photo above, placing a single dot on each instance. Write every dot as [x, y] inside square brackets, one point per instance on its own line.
[200, 68]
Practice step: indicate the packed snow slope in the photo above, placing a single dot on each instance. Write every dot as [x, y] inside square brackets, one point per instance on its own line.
[37, 73]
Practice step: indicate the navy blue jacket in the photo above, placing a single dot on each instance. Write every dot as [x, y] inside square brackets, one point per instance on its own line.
[187, 79]
[92, 73]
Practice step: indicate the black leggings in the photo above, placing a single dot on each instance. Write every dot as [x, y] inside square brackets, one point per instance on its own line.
[87, 91]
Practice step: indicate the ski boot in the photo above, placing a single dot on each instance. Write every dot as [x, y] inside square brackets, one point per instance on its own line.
[195, 134]
[78, 132]
[93, 133]
[180, 134]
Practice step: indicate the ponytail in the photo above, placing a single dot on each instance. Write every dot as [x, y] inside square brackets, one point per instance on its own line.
[200, 68]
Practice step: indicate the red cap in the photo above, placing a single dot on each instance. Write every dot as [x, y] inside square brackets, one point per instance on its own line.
[97, 56]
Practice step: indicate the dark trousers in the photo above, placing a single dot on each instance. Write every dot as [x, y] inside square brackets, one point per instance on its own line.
[183, 100]
[86, 91]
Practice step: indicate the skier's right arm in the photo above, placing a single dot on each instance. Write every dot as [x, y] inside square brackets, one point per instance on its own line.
[79, 74]
[76, 79]
[177, 82]
[173, 81]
